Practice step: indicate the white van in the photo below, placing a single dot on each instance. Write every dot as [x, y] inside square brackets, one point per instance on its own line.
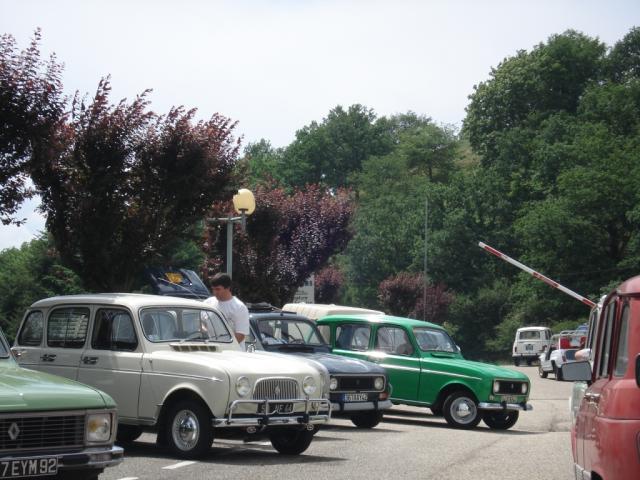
[529, 343]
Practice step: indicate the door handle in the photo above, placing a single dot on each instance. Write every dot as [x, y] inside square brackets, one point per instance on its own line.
[89, 360]
[48, 357]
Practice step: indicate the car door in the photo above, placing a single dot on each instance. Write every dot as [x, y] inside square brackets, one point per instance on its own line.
[29, 342]
[112, 360]
[353, 340]
[66, 335]
[394, 350]
[586, 432]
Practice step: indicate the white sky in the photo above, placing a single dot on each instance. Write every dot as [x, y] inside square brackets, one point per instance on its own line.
[274, 66]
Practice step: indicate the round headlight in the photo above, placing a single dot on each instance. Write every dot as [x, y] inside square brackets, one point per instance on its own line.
[98, 427]
[525, 387]
[333, 383]
[243, 386]
[378, 383]
[496, 386]
[308, 385]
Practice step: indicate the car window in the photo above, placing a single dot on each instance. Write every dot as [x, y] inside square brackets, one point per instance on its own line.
[605, 345]
[285, 331]
[67, 327]
[4, 347]
[394, 340]
[113, 330]
[622, 358]
[431, 339]
[170, 324]
[32, 329]
[353, 337]
[530, 335]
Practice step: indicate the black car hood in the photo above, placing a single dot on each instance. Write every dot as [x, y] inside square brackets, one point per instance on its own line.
[337, 364]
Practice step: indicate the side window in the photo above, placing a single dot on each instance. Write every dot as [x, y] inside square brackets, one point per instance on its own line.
[622, 359]
[32, 330]
[393, 340]
[113, 330]
[67, 327]
[353, 337]
[605, 344]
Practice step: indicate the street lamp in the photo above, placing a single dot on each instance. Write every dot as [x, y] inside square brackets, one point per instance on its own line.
[244, 203]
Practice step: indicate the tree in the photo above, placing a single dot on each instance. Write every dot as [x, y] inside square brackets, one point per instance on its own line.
[31, 108]
[120, 184]
[328, 285]
[288, 237]
[404, 295]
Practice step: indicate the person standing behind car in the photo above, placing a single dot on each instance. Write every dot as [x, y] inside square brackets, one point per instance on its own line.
[232, 308]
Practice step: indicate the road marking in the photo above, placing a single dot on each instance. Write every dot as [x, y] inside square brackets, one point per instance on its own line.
[179, 465]
[128, 478]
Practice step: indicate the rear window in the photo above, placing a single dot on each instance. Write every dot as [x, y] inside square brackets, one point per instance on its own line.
[530, 335]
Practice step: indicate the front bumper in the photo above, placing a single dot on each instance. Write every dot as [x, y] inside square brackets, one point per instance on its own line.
[361, 406]
[316, 411]
[504, 406]
[96, 458]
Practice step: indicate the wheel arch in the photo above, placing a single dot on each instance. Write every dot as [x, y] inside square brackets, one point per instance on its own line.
[449, 389]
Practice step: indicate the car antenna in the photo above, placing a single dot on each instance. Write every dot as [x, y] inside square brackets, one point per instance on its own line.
[537, 275]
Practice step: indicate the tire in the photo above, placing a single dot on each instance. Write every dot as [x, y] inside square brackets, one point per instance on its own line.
[542, 373]
[559, 375]
[556, 371]
[436, 410]
[501, 420]
[187, 430]
[516, 361]
[367, 419]
[128, 433]
[291, 441]
[528, 362]
[460, 410]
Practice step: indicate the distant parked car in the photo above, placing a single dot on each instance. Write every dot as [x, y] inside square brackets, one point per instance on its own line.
[529, 343]
[51, 425]
[174, 367]
[426, 368]
[358, 389]
[562, 349]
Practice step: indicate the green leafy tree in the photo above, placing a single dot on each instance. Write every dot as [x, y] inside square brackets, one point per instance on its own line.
[31, 108]
[404, 295]
[120, 184]
[288, 237]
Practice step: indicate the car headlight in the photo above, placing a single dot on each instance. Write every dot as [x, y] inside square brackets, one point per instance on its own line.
[333, 383]
[496, 386]
[243, 386]
[525, 387]
[98, 428]
[378, 383]
[309, 385]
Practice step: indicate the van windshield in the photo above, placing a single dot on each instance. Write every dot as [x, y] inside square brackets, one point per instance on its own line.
[530, 335]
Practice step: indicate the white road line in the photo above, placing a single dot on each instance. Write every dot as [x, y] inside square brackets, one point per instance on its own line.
[179, 465]
[128, 478]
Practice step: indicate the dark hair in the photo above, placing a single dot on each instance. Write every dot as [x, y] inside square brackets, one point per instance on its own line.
[220, 280]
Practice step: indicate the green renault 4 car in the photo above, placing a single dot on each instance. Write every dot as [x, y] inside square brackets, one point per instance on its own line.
[426, 368]
[53, 426]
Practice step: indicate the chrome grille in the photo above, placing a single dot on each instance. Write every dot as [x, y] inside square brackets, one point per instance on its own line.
[41, 432]
[275, 389]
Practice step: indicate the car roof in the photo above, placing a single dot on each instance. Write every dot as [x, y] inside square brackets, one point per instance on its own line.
[318, 310]
[532, 328]
[131, 300]
[377, 318]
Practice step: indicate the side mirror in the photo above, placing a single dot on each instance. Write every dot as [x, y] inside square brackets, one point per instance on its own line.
[251, 346]
[638, 370]
[575, 372]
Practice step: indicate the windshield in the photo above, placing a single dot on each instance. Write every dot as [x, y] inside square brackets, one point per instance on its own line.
[289, 332]
[171, 324]
[432, 339]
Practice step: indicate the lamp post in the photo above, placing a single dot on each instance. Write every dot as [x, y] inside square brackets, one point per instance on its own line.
[244, 203]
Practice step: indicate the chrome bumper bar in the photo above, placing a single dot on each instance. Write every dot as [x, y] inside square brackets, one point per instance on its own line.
[89, 458]
[316, 410]
[504, 406]
[358, 406]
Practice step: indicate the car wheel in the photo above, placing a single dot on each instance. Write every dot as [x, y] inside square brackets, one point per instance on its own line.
[541, 372]
[128, 433]
[291, 441]
[528, 362]
[436, 410]
[460, 410]
[516, 362]
[558, 374]
[501, 420]
[367, 419]
[188, 431]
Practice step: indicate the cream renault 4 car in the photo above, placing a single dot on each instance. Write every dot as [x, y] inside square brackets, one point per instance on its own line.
[173, 366]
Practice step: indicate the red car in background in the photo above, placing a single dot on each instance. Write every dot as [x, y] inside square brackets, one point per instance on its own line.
[606, 434]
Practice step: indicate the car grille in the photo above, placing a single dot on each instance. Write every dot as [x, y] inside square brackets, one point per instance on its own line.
[41, 432]
[275, 389]
[510, 388]
[354, 383]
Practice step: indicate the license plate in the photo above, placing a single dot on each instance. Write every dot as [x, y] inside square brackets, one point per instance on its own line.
[277, 408]
[355, 397]
[510, 398]
[528, 347]
[32, 467]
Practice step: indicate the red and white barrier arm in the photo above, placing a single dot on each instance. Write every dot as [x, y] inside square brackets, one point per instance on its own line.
[538, 275]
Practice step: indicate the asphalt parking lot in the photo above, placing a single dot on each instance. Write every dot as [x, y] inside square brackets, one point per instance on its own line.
[409, 444]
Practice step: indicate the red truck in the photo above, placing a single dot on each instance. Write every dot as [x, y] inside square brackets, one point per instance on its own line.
[606, 434]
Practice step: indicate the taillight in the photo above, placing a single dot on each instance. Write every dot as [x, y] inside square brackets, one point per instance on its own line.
[516, 349]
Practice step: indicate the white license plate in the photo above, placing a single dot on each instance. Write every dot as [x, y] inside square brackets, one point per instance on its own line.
[277, 408]
[31, 467]
[528, 347]
[509, 398]
[355, 397]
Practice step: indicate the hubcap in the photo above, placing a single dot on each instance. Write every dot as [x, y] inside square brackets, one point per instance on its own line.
[185, 430]
[464, 410]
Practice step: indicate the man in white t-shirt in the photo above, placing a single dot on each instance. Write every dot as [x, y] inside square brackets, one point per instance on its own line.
[232, 308]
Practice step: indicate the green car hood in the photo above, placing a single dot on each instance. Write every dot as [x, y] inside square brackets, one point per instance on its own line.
[478, 369]
[23, 390]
